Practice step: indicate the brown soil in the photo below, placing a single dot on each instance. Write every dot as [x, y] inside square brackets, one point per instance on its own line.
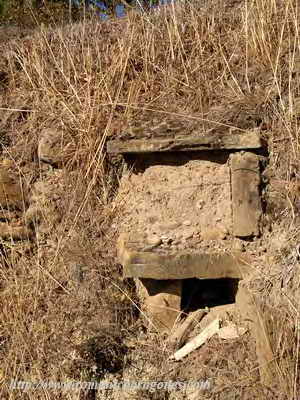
[179, 204]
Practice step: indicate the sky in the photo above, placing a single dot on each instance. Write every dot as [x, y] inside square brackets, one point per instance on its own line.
[120, 9]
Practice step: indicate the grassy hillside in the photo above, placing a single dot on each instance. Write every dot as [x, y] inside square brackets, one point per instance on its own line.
[29, 14]
[90, 80]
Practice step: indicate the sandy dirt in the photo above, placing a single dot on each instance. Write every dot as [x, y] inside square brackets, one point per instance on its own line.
[180, 206]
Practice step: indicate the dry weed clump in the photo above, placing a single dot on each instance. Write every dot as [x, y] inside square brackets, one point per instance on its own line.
[233, 63]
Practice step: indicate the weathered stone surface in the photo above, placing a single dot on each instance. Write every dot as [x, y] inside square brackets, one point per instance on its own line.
[246, 203]
[251, 312]
[161, 301]
[12, 193]
[51, 146]
[149, 264]
[215, 141]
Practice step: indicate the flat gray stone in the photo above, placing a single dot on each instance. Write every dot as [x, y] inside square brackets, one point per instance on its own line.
[230, 140]
[148, 264]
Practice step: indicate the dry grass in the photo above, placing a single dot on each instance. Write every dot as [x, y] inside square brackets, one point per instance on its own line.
[236, 60]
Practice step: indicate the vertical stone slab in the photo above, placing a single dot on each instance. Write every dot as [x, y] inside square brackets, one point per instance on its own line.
[246, 202]
[161, 301]
[250, 310]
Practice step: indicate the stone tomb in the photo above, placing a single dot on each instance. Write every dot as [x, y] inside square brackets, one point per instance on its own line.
[187, 205]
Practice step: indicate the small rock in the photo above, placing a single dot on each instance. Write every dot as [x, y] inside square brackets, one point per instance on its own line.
[200, 204]
[176, 242]
[167, 241]
[263, 249]
[164, 237]
[213, 234]
[187, 233]
[154, 241]
[231, 331]
[187, 222]
[51, 146]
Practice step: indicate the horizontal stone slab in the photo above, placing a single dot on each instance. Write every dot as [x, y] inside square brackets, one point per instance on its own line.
[214, 141]
[149, 264]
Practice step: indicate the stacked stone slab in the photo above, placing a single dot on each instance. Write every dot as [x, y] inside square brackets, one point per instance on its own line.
[157, 264]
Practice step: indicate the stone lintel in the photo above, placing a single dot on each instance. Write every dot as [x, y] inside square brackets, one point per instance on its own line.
[215, 141]
[246, 202]
[148, 264]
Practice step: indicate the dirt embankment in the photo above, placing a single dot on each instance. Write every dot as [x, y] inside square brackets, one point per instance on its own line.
[66, 313]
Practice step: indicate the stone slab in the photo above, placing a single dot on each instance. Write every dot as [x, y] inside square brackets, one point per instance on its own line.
[225, 141]
[251, 312]
[161, 302]
[148, 264]
[246, 202]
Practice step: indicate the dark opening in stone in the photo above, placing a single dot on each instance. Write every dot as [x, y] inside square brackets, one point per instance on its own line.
[201, 293]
